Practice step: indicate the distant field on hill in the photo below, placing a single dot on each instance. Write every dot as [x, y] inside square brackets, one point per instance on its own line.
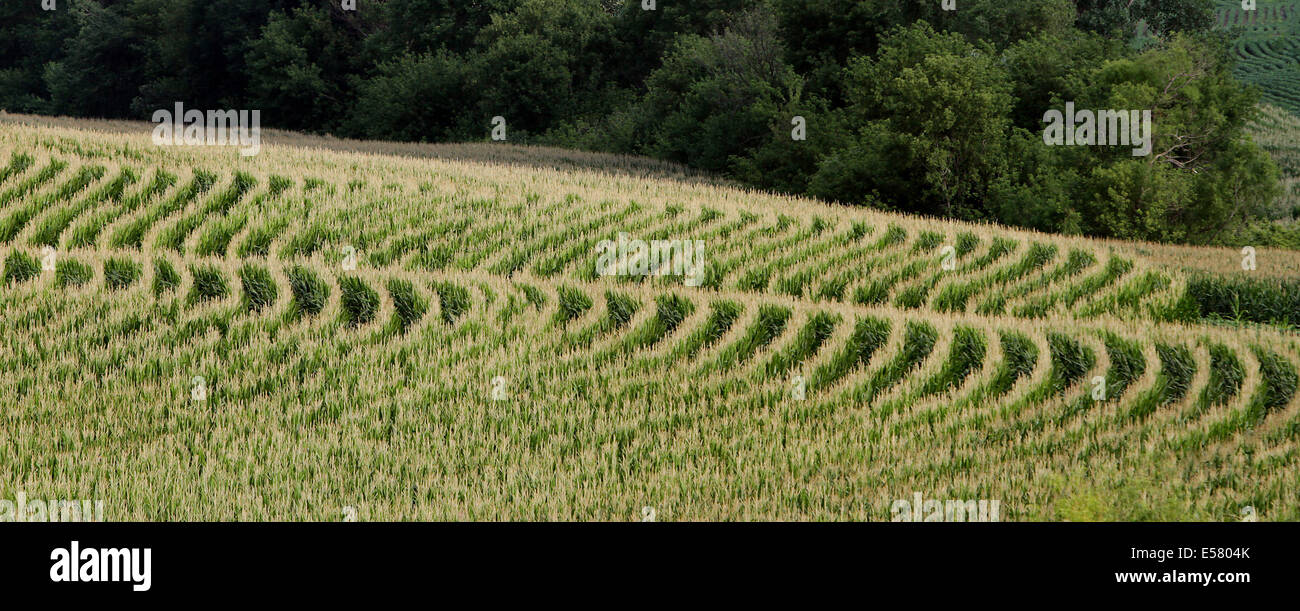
[421, 332]
[1268, 51]
[1278, 132]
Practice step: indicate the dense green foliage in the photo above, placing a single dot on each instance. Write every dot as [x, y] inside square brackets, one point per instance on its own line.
[904, 106]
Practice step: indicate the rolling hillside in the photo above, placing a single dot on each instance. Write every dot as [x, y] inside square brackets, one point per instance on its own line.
[1278, 132]
[1268, 49]
[205, 349]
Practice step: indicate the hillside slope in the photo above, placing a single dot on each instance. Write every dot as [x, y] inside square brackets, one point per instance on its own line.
[204, 348]
[1268, 49]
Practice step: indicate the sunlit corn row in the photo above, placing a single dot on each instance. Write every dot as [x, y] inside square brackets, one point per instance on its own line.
[481, 171]
[375, 389]
[62, 205]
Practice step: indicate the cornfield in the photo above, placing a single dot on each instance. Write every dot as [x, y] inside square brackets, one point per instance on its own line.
[422, 334]
[1266, 50]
